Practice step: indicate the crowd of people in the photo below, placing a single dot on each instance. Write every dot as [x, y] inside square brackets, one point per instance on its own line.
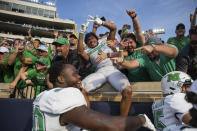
[103, 58]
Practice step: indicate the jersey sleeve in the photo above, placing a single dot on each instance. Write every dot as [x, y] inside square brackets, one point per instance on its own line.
[179, 105]
[61, 100]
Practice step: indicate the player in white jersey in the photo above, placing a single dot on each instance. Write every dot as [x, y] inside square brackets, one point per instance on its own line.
[191, 97]
[64, 106]
[99, 54]
[172, 109]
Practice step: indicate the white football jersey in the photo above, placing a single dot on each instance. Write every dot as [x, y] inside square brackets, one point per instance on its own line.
[178, 128]
[170, 110]
[95, 52]
[49, 105]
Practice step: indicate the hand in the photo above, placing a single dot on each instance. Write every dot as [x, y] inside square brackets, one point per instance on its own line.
[131, 13]
[84, 27]
[55, 33]
[95, 25]
[28, 82]
[12, 85]
[96, 20]
[29, 31]
[16, 49]
[145, 49]
[111, 43]
[148, 124]
[101, 57]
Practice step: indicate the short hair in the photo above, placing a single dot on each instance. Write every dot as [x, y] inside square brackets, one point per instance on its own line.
[193, 31]
[129, 35]
[191, 97]
[88, 35]
[38, 41]
[55, 70]
[180, 25]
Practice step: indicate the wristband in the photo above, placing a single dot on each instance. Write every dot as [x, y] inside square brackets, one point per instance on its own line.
[134, 16]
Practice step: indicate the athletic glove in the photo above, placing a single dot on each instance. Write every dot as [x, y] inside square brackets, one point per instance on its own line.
[96, 20]
[84, 28]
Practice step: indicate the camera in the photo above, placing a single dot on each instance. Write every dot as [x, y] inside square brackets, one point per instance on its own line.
[126, 26]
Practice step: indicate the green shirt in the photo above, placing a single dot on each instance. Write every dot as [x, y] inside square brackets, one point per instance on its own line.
[137, 74]
[7, 71]
[18, 63]
[38, 79]
[157, 71]
[179, 43]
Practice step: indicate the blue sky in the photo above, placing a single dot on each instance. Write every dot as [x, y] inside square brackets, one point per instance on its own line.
[151, 13]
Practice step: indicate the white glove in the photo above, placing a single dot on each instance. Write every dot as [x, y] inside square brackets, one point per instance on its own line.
[96, 20]
[148, 124]
[84, 27]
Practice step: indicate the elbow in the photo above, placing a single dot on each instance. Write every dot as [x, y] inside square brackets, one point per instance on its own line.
[174, 53]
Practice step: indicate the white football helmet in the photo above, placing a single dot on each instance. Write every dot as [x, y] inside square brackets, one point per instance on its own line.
[172, 82]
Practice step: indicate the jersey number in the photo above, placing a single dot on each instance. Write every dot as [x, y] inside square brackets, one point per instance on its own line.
[39, 120]
[158, 114]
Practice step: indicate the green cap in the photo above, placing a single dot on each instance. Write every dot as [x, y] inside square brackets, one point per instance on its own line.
[61, 41]
[42, 61]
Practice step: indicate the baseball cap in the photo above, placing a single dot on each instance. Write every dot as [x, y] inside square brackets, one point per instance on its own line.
[42, 61]
[180, 25]
[154, 40]
[4, 49]
[61, 41]
[74, 36]
[43, 48]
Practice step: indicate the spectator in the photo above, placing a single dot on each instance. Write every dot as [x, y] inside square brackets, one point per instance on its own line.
[130, 43]
[37, 76]
[180, 40]
[73, 42]
[105, 71]
[42, 52]
[158, 59]
[6, 70]
[172, 109]
[21, 60]
[64, 107]
[187, 58]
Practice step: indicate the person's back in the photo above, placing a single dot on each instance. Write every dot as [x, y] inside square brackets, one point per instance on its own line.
[171, 109]
[166, 111]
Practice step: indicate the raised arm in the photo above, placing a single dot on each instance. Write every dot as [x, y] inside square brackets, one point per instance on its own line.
[136, 26]
[193, 18]
[80, 46]
[112, 27]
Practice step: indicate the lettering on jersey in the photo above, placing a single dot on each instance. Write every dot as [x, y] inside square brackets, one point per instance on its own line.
[98, 48]
[173, 77]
